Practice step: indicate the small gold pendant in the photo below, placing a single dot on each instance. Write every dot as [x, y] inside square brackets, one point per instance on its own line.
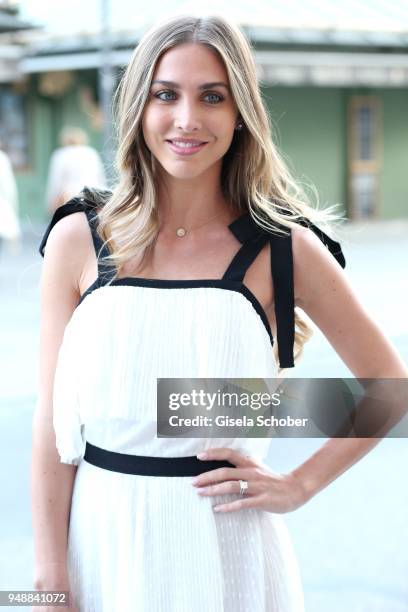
[181, 231]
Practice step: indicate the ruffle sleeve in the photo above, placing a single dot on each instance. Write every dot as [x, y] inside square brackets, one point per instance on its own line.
[68, 425]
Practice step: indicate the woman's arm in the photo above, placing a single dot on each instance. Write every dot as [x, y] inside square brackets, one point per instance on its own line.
[323, 291]
[52, 481]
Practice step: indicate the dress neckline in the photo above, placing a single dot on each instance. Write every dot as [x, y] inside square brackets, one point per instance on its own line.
[252, 236]
[243, 228]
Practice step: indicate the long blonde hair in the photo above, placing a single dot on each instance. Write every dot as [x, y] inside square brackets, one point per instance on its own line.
[254, 176]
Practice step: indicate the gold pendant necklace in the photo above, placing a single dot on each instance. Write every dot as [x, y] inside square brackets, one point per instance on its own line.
[181, 231]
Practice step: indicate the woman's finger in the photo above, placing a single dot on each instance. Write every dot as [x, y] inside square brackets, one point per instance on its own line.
[222, 475]
[228, 454]
[255, 501]
[231, 486]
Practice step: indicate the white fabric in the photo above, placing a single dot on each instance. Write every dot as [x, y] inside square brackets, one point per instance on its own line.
[148, 543]
[71, 168]
[9, 223]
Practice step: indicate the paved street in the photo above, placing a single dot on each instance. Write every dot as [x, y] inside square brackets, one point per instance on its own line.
[351, 540]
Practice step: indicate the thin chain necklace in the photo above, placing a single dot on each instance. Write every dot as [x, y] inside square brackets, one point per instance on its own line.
[182, 231]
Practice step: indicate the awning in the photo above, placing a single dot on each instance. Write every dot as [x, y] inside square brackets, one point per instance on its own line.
[11, 23]
[294, 68]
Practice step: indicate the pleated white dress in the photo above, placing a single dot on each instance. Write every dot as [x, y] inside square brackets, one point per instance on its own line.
[148, 543]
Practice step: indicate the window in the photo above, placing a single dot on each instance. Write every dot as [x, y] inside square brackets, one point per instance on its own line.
[363, 151]
[13, 128]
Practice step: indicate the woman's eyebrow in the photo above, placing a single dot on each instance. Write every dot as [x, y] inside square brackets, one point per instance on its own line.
[203, 86]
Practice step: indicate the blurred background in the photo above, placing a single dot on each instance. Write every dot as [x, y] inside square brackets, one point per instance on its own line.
[334, 77]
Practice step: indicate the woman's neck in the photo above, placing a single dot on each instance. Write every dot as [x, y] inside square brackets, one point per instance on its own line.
[190, 202]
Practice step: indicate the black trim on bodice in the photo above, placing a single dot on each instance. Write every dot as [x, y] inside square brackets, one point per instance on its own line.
[252, 237]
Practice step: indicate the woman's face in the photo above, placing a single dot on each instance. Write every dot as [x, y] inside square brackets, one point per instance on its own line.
[189, 102]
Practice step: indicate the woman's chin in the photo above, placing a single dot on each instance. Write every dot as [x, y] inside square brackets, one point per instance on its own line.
[185, 173]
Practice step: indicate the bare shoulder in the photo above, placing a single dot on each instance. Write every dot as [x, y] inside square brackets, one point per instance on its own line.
[314, 267]
[305, 242]
[69, 246]
[71, 227]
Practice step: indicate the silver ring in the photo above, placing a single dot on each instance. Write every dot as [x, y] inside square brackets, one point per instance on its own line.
[243, 486]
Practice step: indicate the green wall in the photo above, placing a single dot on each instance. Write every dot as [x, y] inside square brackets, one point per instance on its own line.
[311, 131]
[46, 117]
[309, 128]
[394, 196]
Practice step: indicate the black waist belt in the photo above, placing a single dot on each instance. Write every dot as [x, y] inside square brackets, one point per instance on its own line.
[149, 466]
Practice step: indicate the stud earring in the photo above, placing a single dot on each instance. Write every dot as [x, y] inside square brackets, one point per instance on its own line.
[239, 126]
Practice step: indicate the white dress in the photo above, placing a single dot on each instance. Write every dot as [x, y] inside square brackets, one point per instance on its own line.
[148, 543]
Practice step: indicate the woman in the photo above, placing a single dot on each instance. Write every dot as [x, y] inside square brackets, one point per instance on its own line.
[203, 212]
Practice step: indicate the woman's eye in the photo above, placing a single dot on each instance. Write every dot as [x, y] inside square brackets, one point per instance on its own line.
[162, 95]
[217, 96]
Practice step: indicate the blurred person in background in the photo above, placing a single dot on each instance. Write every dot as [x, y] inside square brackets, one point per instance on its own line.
[72, 166]
[10, 230]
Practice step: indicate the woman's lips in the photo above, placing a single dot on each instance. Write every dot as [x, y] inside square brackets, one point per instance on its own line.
[185, 148]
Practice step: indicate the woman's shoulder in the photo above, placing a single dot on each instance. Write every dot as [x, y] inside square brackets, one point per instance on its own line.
[69, 242]
[67, 225]
[316, 268]
[304, 240]
[310, 245]
[72, 219]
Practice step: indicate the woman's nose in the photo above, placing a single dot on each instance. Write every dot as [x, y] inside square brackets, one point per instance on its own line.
[187, 117]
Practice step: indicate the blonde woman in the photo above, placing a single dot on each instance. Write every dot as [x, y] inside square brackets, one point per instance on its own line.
[192, 267]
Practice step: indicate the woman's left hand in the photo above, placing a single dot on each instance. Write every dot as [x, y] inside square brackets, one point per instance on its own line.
[267, 490]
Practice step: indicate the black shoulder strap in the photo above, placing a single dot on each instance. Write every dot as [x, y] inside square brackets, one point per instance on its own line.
[253, 237]
[283, 288]
[80, 204]
[244, 257]
[68, 208]
[246, 228]
[333, 246]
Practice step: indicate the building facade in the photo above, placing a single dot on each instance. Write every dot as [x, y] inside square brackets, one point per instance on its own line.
[337, 101]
